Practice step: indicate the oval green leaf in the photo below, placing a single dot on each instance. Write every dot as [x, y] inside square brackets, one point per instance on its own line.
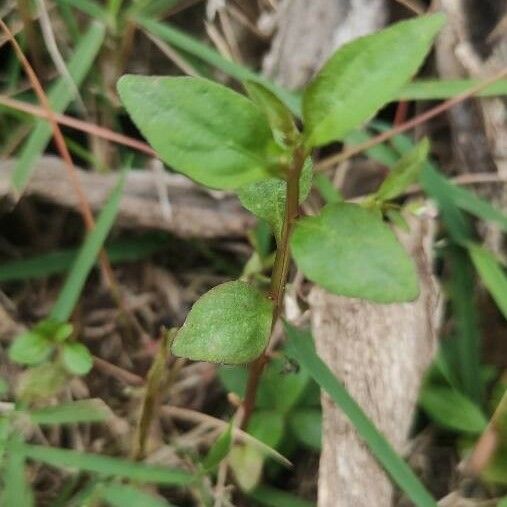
[202, 129]
[77, 358]
[349, 251]
[364, 75]
[30, 348]
[266, 199]
[230, 324]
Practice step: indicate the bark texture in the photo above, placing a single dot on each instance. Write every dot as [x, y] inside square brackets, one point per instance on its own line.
[380, 352]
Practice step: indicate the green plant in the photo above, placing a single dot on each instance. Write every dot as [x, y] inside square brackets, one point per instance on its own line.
[227, 141]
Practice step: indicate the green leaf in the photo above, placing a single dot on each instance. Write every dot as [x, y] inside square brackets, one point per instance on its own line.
[279, 117]
[503, 502]
[246, 463]
[202, 129]
[77, 358]
[306, 426]
[30, 348]
[246, 460]
[16, 490]
[266, 199]
[192, 46]
[364, 75]
[121, 495]
[229, 324]
[404, 173]
[219, 450]
[279, 389]
[70, 292]
[450, 409]
[300, 348]
[349, 251]
[492, 274]
[80, 411]
[60, 96]
[433, 89]
[105, 465]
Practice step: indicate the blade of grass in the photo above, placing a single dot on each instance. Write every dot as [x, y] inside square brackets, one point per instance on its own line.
[300, 348]
[491, 273]
[60, 96]
[41, 266]
[17, 490]
[272, 497]
[70, 292]
[464, 356]
[121, 495]
[105, 465]
[433, 89]
[93, 9]
[79, 411]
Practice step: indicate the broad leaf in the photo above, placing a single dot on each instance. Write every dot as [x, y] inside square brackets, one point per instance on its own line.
[77, 358]
[451, 409]
[266, 199]
[279, 117]
[364, 75]
[202, 129]
[349, 251]
[229, 324]
[30, 348]
[403, 173]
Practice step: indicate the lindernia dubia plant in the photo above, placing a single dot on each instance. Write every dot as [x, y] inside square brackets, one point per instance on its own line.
[251, 144]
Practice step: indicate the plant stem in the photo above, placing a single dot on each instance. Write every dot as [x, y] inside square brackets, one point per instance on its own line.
[278, 276]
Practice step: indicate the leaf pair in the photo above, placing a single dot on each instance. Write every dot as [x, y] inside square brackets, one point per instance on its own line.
[224, 140]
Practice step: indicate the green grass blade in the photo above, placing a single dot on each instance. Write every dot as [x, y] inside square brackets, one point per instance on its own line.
[69, 294]
[93, 9]
[105, 465]
[121, 495]
[16, 491]
[60, 96]
[79, 411]
[433, 89]
[300, 348]
[41, 266]
[491, 273]
[464, 356]
[272, 497]
[186, 43]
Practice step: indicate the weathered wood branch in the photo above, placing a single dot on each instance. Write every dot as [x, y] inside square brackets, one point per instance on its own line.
[151, 200]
